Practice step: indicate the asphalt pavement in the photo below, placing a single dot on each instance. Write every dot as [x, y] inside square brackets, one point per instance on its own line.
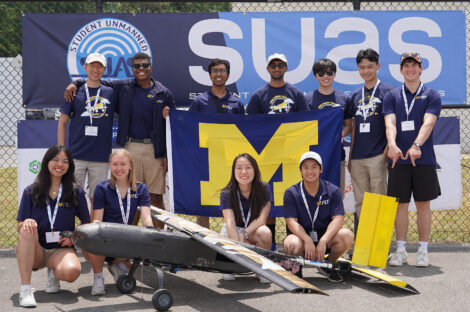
[443, 286]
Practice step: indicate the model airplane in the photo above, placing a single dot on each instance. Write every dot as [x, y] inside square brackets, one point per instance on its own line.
[194, 247]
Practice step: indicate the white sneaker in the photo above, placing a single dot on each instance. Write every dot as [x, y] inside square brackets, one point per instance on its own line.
[27, 297]
[98, 287]
[263, 280]
[422, 258]
[228, 277]
[53, 283]
[398, 258]
[115, 271]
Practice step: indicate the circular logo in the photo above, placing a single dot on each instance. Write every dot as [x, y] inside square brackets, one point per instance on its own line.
[116, 39]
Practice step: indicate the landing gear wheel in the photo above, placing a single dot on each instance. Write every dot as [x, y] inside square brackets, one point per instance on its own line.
[162, 300]
[126, 284]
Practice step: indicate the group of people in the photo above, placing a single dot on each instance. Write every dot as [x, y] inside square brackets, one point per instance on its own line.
[384, 122]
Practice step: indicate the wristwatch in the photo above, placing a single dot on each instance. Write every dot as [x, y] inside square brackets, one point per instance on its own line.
[417, 145]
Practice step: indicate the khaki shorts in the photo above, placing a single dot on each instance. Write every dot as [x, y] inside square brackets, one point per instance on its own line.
[97, 172]
[224, 232]
[147, 168]
[48, 253]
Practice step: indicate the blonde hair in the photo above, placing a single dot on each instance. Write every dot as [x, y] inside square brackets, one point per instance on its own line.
[130, 176]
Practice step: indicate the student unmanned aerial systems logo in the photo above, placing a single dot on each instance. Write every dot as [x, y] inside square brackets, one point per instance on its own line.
[34, 166]
[116, 39]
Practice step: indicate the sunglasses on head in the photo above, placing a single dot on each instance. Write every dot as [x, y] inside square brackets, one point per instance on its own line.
[278, 65]
[409, 54]
[328, 73]
[144, 65]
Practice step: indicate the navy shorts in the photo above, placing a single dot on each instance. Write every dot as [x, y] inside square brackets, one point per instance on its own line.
[422, 181]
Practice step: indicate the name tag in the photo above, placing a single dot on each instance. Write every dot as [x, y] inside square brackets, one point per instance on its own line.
[91, 131]
[314, 236]
[364, 127]
[408, 125]
[52, 237]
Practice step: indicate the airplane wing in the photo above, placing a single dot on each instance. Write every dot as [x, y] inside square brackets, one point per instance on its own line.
[236, 252]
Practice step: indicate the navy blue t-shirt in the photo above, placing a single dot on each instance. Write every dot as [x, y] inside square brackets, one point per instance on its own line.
[141, 121]
[91, 148]
[270, 100]
[106, 198]
[229, 103]
[225, 204]
[331, 205]
[316, 100]
[372, 143]
[65, 218]
[427, 101]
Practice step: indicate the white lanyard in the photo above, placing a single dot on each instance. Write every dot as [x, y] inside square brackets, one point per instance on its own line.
[306, 205]
[245, 221]
[88, 103]
[52, 218]
[125, 216]
[408, 110]
[365, 111]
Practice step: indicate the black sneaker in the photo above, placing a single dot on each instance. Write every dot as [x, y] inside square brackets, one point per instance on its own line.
[332, 274]
[299, 273]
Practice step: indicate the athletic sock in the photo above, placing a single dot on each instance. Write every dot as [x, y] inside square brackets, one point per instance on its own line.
[51, 273]
[401, 245]
[24, 287]
[423, 245]
[272, 228]
[98, 275]
[122, 266]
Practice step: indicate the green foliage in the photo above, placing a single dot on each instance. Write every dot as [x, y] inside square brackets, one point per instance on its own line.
[11, 13]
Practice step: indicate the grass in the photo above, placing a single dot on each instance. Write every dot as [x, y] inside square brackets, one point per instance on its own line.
[448, 226]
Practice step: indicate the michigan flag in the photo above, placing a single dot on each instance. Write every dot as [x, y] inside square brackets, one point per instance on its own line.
[202, 147]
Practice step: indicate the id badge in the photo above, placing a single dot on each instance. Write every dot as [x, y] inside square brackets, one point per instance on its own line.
[408, 125]
[314, 236]
[91, 131]
[52, 237]
[364, 127]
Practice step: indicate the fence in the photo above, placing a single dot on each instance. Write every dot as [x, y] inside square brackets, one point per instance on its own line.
[448, 226]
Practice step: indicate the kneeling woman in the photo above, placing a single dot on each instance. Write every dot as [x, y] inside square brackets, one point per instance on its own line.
[48, 207]
[245, 203]
[116, 200]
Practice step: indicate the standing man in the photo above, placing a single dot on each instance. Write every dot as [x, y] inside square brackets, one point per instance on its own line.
[367, 158]
[410, 114]
[217, 100]
[142, 126]
[324, 71]
[314, 214]
[90, 133]
[276, 97]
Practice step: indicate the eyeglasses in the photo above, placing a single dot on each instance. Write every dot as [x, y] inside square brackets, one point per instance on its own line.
[144, 65]
[328, 73]
[215, 70]
[277, 65]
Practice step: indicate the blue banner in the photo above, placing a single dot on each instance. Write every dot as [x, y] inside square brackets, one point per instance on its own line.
[202, 147]
[181, 45]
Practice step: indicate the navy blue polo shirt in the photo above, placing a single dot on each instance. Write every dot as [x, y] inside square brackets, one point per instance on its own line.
[331, 205]
[372, 143]
[427, 101]
[106, 198]
[316, 100]
[65, 219]
[229, 103]
[141, 120]
[225, 204]
[270, 100]
[91, 148]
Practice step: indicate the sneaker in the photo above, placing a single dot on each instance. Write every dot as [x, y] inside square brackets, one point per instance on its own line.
[53, 283]
[98, 287]
[228, 277]
[398, 258]
[262, 280]
[422, 258]
[332, 274]
[115, 271]
[27, 297]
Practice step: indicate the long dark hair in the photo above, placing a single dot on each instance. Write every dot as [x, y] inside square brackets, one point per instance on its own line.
[42, 183]
[258, 194]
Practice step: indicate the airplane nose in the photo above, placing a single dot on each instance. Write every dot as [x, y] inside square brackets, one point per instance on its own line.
[85, 231]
